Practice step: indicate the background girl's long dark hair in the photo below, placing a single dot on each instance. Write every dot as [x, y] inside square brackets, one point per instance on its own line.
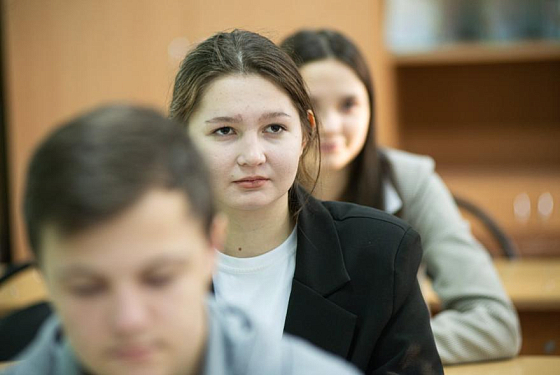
[370, 166]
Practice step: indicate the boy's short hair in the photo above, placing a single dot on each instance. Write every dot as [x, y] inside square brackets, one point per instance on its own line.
[99, 164]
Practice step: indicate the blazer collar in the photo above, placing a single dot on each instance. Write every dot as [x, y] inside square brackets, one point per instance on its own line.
[320, 271]
[319, 261]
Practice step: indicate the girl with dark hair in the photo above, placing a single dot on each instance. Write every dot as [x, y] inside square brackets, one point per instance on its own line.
[478, 321]
[341, 276]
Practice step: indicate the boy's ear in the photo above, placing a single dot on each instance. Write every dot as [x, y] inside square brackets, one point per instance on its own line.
[218, 231]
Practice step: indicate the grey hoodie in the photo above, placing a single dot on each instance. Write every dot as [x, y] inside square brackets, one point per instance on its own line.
[236, 346]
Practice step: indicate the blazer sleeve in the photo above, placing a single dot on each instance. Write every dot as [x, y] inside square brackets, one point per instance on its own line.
[478, 321]
[406, 345]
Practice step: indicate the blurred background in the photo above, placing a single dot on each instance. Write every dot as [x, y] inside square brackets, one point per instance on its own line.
[473, 83]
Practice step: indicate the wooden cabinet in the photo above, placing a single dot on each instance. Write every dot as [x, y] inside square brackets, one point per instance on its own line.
[489, 114]
[65, 56]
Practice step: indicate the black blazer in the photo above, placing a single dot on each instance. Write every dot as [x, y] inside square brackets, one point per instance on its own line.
[355, 291]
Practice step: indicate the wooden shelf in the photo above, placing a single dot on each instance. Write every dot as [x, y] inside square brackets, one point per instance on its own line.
[481, 53]
[482, 114]
[489, 114]
[487, 145]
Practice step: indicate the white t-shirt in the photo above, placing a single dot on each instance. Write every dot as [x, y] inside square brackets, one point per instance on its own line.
[259, 285]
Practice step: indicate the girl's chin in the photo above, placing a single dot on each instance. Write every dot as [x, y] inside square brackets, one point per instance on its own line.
[249, 203]
[332, 165]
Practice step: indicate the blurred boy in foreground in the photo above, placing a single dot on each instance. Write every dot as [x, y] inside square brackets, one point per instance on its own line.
[120, 215]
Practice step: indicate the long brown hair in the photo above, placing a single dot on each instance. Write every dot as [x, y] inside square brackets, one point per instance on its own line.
[370, 165]
[245, 52]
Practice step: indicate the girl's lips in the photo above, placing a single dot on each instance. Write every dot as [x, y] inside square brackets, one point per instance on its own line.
[251, 182]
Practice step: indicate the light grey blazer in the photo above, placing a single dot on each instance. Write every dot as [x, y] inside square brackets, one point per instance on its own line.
[479, 321]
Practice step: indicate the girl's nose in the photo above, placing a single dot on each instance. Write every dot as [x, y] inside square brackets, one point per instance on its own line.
[252, 152]
[330, 122]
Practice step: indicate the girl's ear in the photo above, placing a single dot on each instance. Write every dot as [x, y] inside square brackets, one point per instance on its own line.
[311, 119]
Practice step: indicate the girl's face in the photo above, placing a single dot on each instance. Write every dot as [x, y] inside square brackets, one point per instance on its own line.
[341, 102]
[250, 134]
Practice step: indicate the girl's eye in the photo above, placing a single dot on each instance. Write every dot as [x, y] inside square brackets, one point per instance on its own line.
[274, 128]
[225, 130]
[348, 104]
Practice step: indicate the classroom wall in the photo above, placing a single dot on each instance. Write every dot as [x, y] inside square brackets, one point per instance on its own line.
[65, 56]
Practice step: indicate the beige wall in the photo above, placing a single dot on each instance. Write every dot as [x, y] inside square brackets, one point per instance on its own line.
[64, 56]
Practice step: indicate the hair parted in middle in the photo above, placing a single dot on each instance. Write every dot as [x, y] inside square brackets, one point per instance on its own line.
[241, 52]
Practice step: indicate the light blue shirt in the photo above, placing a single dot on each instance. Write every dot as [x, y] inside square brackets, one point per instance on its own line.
[236, 346]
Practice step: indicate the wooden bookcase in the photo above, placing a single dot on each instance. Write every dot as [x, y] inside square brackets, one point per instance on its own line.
[489, 114]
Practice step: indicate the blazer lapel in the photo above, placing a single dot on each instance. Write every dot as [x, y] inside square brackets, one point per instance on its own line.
[320, 272]
[319, 321]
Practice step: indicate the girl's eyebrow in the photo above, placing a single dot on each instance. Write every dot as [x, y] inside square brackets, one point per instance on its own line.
[225, 119]
[237, 119]
[270, 115]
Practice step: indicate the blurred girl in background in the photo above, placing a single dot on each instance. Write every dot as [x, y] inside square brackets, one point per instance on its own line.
[478, 321]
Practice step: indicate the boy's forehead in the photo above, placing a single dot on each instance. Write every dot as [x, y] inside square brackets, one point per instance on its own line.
[160, 223]
[65, 262]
